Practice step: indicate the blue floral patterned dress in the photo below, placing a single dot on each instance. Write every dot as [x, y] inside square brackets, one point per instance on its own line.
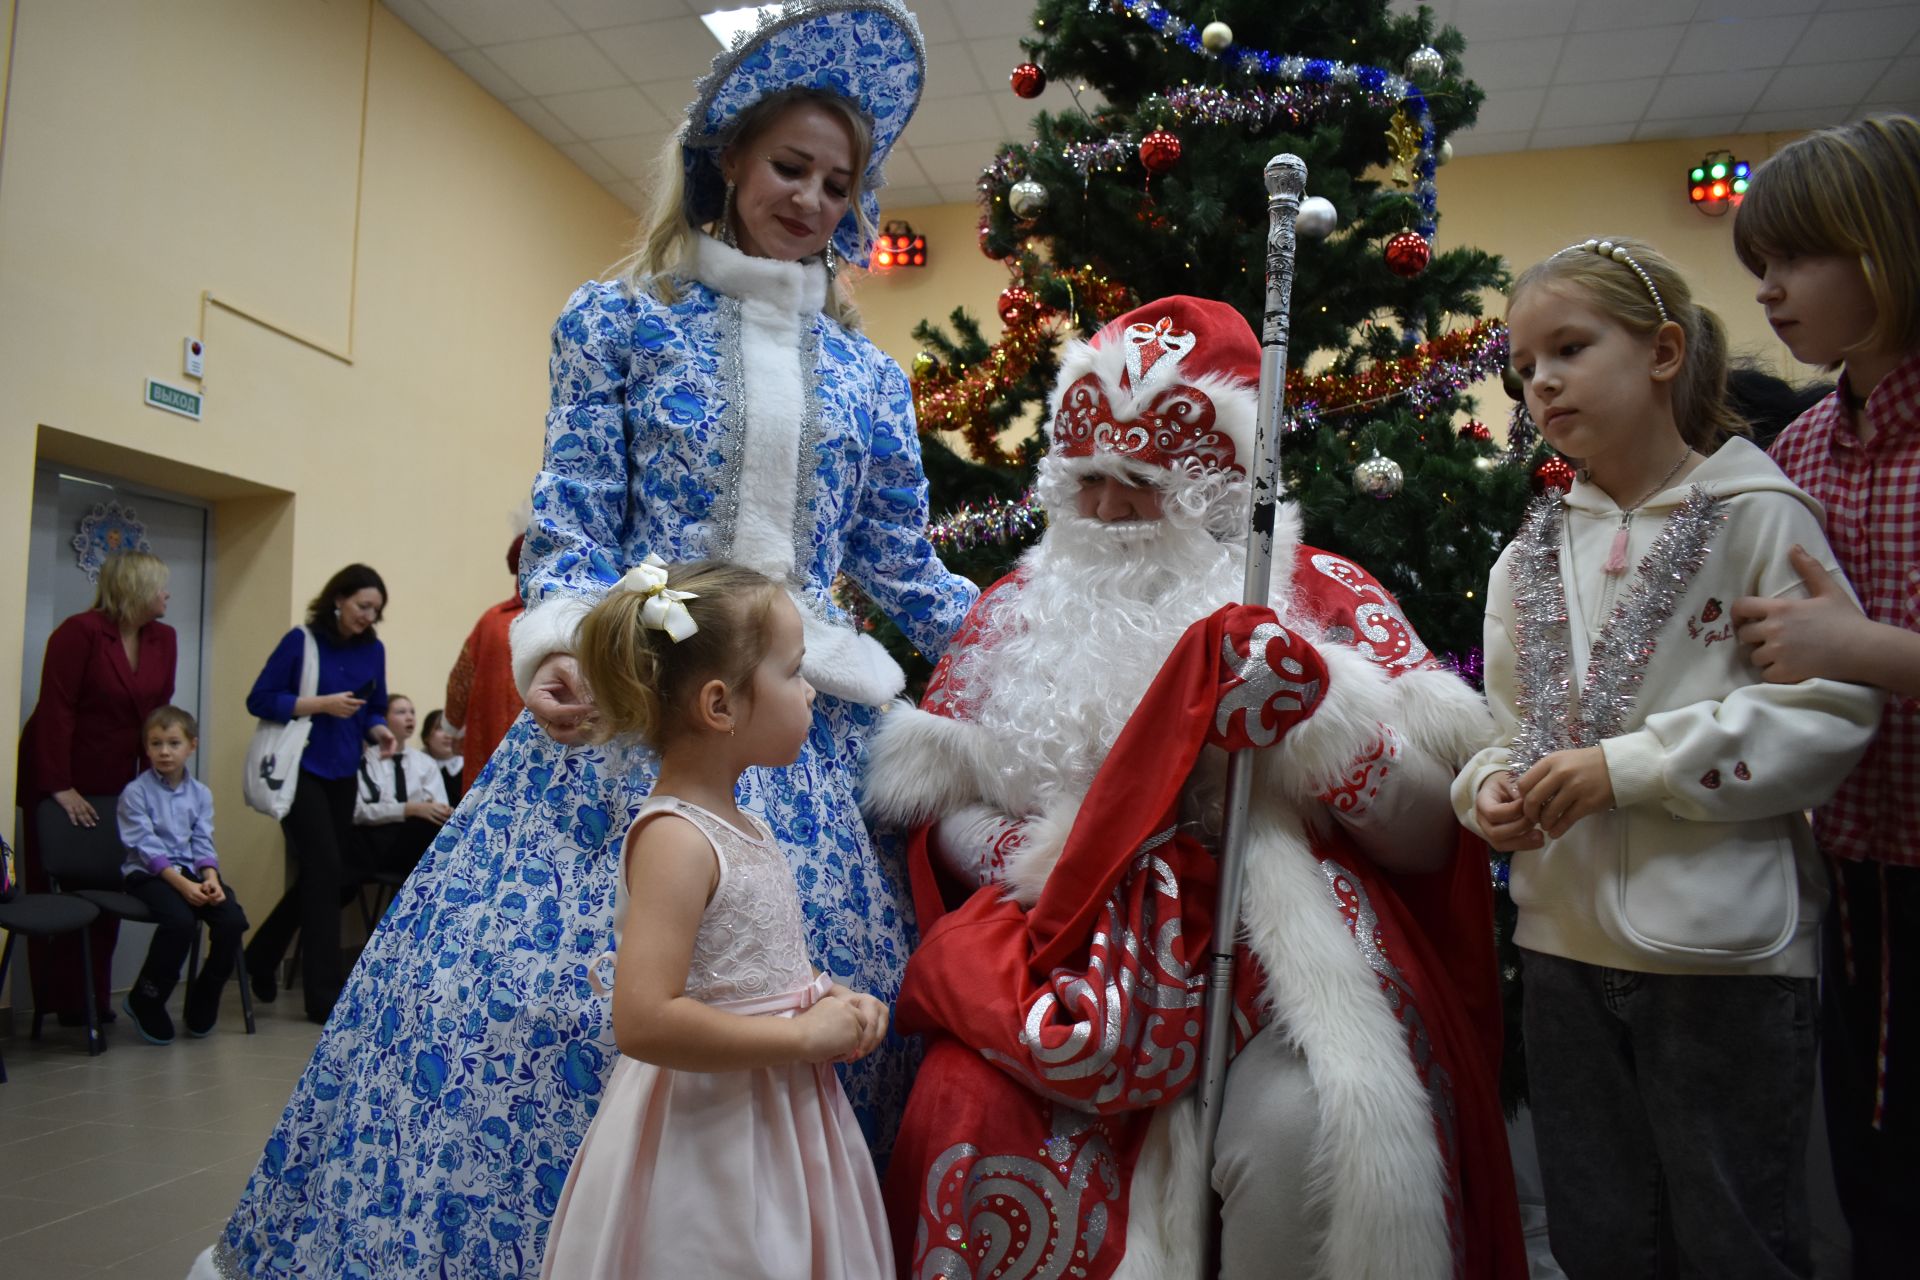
[432, 1132]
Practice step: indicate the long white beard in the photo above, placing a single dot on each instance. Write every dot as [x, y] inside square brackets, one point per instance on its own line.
[1074, 650]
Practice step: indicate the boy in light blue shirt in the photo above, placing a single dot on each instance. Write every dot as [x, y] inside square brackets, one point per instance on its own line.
[166, 824]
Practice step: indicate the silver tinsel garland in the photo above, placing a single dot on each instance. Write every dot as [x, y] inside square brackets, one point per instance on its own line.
[1617, 664]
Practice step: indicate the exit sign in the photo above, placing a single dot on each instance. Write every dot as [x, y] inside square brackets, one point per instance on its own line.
[164, 395]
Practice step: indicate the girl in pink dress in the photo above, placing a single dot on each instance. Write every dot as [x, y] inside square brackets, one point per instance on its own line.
[723, 1145]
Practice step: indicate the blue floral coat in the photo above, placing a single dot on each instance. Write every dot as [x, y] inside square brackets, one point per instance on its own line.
[432, 1132]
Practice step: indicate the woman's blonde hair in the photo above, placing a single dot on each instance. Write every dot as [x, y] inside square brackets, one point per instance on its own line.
[641, 678]
[128, 583]
[1700, 407]
[1852, 192]
[664, 251]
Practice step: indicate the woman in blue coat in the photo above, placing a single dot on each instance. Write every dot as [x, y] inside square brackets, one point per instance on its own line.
[715, 401]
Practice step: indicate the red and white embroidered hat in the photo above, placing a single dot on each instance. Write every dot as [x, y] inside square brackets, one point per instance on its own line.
[1173, 385]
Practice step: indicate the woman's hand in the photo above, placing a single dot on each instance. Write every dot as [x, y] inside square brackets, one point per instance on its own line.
[831, 1030]
[384, 739]
[78, 811]
[559, 700]
[342, 705]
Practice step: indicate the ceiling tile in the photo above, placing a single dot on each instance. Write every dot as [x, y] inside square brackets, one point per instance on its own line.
[1696, 127]
[936, 21]
[543, 121]
[605, 113]
[1879, 32]
[591, 162]
[968, 119]
[1512, 64]
[1732, 45]
[1474, 142]
[892, 198]
[1901, 84]
[950, 72]
[1837, 84]
[485, 22]
[1514, 109]
[660, 50]
[591, 15]
[428, 24]
[1586, 135]
[1614, 102]
[631, 194]
[1618, 55]
[1790, 121]
[487, 75]
[1742, 10]
[634, 156]
[1514, 19]
[1708, 95]
[556, 64]
[996, 17]
[1614, 15]
[956, 163]
[903, 169]
[670, 97]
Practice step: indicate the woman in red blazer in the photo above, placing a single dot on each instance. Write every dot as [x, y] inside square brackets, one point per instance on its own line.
[106, 671]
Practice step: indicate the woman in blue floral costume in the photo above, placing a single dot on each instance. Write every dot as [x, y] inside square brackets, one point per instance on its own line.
[715, 402]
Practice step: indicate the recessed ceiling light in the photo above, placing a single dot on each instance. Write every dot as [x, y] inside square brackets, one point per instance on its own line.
[728, 24]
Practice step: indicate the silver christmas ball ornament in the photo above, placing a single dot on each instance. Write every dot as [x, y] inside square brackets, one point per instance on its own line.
[1215, 36]
[1027, 199]
[1425, 63]
[1378, 477]
[1317, 218]
[1443, 152]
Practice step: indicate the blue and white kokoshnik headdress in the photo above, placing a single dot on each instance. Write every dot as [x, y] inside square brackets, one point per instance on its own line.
[867, 51]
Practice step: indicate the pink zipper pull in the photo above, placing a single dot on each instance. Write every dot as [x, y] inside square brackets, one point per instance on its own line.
[1617, 555]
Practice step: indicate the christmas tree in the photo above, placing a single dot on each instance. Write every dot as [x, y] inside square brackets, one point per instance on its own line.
[1151, 186]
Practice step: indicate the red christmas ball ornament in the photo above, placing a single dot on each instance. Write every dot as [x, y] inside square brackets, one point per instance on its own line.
[1017, 303]
[1028, 80]
[1408, 254]
[1552, 472]
[1159, 151]
[1476, 431]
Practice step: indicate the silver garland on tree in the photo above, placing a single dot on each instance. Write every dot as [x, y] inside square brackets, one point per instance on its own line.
[1618, 662]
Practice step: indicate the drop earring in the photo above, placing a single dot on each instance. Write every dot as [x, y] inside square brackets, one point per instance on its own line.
[726, 220]
[830, 261]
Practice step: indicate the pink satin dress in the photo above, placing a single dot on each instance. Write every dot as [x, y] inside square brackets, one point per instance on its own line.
[758, 1173]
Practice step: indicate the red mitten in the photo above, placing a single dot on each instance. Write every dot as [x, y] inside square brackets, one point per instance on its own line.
[1278, 679]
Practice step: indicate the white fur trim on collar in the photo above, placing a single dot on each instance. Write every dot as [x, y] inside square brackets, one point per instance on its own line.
[794, 287]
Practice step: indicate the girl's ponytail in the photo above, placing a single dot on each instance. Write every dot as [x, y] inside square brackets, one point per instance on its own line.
[1700, 407]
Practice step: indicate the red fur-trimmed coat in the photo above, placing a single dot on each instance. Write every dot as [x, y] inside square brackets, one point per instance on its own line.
[1053, 1123]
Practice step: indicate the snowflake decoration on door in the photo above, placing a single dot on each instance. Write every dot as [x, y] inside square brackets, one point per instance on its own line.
[108, 530]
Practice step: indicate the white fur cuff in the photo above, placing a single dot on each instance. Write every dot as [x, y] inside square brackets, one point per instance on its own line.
[550, 627]
[921, 766]
[1314, 755]
[849, 664]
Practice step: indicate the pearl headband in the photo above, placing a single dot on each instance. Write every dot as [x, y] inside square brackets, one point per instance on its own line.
[1608, 249]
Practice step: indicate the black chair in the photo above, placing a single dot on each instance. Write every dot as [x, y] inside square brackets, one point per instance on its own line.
[47, 915]
[84, 863]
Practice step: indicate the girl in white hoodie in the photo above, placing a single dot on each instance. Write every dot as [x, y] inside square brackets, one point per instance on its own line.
[1651, 788]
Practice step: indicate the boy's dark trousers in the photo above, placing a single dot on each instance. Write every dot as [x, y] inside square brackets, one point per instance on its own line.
[1876, 1168]
[175, 924]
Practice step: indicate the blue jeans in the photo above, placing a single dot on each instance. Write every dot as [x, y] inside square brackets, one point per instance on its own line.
[1672, 1116]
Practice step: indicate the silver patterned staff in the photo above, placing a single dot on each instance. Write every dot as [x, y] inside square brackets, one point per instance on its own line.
[1286, 180]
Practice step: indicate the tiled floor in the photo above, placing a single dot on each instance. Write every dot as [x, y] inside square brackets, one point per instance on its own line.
[126, 1164]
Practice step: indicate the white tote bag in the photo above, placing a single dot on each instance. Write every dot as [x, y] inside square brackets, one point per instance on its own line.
[273, 757]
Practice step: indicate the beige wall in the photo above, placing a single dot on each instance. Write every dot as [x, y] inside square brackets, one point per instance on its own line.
[1523, 206]
[401, 243]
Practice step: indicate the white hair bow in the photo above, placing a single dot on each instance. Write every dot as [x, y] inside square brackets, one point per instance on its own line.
[663, 609]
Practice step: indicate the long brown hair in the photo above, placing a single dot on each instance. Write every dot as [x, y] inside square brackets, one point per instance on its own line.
[350, 581]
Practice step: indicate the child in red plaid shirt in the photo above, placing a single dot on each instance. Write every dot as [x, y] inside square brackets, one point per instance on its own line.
[1828, 227]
